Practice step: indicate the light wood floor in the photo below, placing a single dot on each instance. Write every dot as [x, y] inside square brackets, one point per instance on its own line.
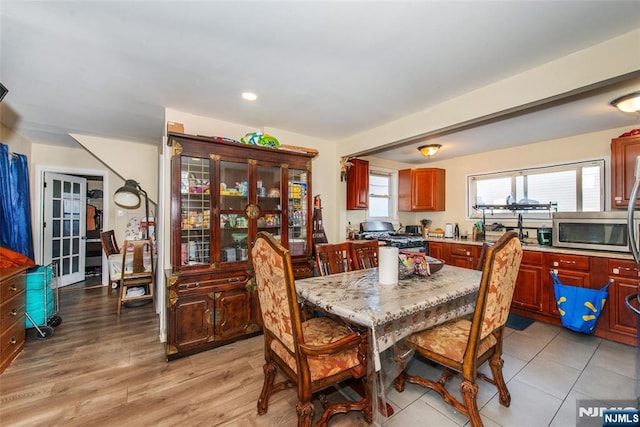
[99, 370]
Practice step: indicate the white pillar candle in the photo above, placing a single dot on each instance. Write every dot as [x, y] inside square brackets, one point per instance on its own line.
[388, 265]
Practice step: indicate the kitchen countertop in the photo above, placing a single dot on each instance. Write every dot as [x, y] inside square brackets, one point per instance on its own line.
[540, 248]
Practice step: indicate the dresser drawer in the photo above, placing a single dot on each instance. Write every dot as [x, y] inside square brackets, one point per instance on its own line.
[12, 286]
[12, 341]
[12, 310]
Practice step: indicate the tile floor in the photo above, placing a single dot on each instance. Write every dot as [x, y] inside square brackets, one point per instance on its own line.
[547, 369]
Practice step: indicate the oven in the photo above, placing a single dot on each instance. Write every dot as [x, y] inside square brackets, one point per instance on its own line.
[384, 232]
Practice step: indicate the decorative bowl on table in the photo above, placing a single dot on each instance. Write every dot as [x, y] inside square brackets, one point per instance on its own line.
[417, 263]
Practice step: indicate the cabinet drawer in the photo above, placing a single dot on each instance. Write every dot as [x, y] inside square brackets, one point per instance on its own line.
[12, 287]
[624, 268]
[570, 262]
[208, 283]
[461, 250]
[12, 339]
[302, 270]
[12, 310]
[532, 258]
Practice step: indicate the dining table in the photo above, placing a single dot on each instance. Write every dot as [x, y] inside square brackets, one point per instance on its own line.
[390, 313]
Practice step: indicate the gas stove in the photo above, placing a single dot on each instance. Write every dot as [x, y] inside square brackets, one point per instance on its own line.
[385, 232]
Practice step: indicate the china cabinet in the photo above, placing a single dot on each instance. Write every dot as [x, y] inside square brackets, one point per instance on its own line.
[421, 189]
[222, 194]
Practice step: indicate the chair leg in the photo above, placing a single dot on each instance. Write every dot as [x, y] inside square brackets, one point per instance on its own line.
[469, 393]
[496, 364]
[400, 382]
[121, 295]
[267, 387]
[305, 413]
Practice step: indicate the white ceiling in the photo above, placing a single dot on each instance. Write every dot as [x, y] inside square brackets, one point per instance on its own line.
[327, 69]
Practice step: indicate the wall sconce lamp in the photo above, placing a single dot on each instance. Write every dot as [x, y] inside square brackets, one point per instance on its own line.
[429, 150]
[128, 196]
[628, 103]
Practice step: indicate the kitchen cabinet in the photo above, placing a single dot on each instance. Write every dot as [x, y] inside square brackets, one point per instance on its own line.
[528, 293]
[222, 195]
[437, 250]
[625, 282]
[421, 189]
[572, 270]
[534, 296]
[624, 151]
[358, 185]
[12, 307]
[462, 255]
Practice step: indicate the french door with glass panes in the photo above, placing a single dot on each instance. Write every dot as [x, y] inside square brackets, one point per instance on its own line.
[64, 241]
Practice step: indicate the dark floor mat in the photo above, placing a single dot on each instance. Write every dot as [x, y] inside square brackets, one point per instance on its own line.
[518, 323]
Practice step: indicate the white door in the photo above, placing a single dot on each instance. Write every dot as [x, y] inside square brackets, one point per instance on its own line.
[64, 238]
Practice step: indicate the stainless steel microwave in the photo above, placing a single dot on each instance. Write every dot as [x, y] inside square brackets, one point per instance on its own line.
[603, 231]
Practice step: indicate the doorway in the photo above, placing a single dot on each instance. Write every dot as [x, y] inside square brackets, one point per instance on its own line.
[69, 221]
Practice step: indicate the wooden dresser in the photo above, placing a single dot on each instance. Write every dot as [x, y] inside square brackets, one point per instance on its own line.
[12, 306]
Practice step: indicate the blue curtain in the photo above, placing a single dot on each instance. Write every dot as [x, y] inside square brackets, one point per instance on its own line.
[15, 205]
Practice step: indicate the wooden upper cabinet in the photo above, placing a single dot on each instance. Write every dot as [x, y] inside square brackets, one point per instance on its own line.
[624, 151]
[358, 185]
[421, 189]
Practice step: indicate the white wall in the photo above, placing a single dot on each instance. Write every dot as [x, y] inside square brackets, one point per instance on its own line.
[16, 143]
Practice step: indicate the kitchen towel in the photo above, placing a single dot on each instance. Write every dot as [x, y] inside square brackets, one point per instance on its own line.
[388, 265]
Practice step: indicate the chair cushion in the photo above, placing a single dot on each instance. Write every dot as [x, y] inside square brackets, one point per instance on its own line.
[449, 339]
[319, 331]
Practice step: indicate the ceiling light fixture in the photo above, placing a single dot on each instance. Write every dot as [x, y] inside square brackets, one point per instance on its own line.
[628, 103]
[249, 96]
[429, 150]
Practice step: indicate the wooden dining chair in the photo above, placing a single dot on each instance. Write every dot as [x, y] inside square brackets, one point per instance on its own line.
[463, 345]
[332, 258]
[364, 253]
[110, 247]
[137, 272]
[313, 354]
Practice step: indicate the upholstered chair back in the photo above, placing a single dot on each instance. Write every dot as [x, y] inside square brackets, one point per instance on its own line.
[272, 273]
[500, 273]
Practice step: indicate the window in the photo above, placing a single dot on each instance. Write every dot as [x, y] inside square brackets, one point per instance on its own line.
[575, 187]
[382, 203]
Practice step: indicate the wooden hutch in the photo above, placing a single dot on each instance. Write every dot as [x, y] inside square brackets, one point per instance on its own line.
[222, 194]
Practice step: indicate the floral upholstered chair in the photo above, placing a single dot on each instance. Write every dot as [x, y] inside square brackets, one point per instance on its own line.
[312, 355]
[462, 345]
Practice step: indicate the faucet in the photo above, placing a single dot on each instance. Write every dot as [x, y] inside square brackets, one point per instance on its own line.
[520, 233]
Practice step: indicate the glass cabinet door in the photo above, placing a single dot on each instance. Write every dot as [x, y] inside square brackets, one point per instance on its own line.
[269, 201]
[298, 214]
[234, 224]
[195, 207]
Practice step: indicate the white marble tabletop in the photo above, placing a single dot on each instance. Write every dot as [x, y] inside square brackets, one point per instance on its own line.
[393, 312]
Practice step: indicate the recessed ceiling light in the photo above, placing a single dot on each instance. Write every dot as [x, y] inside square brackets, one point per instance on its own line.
[249, 96]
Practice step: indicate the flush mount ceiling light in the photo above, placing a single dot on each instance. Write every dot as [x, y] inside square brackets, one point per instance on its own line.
[429, 150]
[628, 103]
[249, 96]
